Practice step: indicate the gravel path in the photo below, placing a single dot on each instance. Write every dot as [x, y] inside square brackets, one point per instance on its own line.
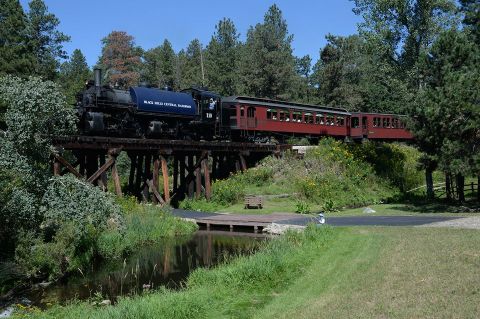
[467, 223]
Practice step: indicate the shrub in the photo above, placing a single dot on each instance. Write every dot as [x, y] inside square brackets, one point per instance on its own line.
[68, 199]
[393, 161]
[302, 207]
[228, 191]
[75, 214]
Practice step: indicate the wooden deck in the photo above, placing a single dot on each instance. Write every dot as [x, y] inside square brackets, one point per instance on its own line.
[236, 221]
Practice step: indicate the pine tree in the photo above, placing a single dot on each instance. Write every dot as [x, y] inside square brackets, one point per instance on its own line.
[446, 115]
[73, 75]
[221, 58]
[120, 60]
[191, 65]
[16, 57]
[159, 66]
[45, 39]
[471, 11]
[338, 72]
[303, 68]
[267, 64]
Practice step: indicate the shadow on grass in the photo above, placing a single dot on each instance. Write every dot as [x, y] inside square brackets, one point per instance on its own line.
[421, 205]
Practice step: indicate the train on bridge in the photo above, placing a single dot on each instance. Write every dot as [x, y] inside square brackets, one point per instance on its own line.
[198, 114]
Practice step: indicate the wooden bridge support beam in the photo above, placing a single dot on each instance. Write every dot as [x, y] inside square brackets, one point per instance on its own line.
[192, 172]
[166, 184]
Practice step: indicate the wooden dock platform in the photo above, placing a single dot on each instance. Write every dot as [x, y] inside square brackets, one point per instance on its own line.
[236, 221]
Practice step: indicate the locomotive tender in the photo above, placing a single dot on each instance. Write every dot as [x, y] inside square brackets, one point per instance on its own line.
[198, 114]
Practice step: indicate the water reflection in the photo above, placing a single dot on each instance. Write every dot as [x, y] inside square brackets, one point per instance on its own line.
[164, 264]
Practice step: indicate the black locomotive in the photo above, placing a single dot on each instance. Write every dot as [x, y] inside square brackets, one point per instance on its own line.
[144, 112]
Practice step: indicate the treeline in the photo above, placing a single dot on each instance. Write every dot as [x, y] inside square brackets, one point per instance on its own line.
[419, 58]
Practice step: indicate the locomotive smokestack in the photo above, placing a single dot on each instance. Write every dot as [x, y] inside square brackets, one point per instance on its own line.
[97, 74]
[98, 77]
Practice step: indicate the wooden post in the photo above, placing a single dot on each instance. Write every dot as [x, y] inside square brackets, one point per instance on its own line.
[115, 177]
[175, 174]
[214, 167]
[146, 176]
[166, 188]
[448, 189]
[243, 163]
[237, 166]
[102, 181]
[460, 187]
[81, 159]
[191, 183]
[92, 164]
[70, 168]
[478, 188]
[131, 177]
[56, 167]
[156, 166]
[138, 177]
[198, 182]
[206, 172]
[182, 178]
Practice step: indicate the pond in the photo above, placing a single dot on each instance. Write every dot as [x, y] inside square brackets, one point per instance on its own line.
[167, 264]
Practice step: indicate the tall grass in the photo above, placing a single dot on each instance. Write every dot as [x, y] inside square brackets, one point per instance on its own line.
[231, 290]
[143, 224]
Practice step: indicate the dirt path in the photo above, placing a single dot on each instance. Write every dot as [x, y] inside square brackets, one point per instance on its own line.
[466, 223]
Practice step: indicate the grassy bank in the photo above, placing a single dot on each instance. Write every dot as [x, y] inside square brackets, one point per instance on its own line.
[82, 232]
[332, 176]
[338, 273]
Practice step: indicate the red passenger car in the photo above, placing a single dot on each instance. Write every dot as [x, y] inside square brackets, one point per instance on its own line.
[262, 120]
[259, 119]
[378, 126]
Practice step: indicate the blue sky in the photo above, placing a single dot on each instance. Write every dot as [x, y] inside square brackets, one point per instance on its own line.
[180, 21]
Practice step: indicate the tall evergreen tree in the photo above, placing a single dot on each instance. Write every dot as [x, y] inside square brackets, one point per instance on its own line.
[73, 75]
[337, 74]
[303, 67]
[471, 12]
[45, 39]
[159, 65]
[16, 56]
[446, 115]
[191, 65]
[221, 58]
[120, 59]
[267, 63]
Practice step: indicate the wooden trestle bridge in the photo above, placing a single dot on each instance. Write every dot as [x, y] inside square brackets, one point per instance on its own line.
[193, 164]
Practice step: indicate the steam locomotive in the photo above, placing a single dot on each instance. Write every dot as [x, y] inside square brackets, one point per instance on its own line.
[199, 114]
[147, 112]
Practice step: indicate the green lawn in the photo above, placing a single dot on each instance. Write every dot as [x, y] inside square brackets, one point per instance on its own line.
[388, 273]
[287, 205]
[399, 209]
[376, 272]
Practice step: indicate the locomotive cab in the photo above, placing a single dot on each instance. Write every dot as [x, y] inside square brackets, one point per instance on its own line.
[208, 104]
